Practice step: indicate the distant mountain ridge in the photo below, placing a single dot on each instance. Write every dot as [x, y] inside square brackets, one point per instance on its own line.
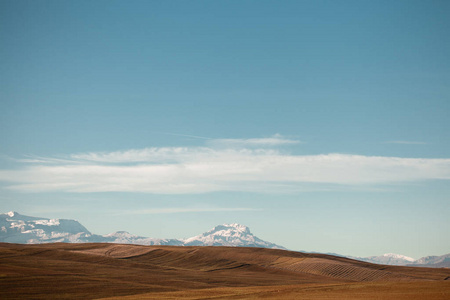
[442, 261]
[17, 228]
[20, 229]
[388, 259]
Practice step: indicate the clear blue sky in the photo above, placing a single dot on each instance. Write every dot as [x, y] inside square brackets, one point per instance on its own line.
[322, 125]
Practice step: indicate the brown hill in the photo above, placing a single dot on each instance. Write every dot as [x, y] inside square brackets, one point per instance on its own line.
[146, 272]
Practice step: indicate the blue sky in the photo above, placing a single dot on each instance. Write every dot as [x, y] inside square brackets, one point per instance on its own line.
[322, 125]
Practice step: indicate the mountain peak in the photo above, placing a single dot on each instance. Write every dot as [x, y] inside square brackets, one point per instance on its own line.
[238, 228]
[120, 234]
[388, 259]
[232, 235]
[398, 256]
[12, 213]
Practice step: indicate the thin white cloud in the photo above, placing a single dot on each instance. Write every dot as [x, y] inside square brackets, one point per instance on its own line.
[405, 142]
[148, 155]
[273, 141]
[190, 170]
[186, 135]
[164, 155]
[176, 210]
[45, 160]
[216, 148]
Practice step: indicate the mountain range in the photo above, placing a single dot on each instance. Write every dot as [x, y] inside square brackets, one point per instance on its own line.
[20, 229]
[17, 228]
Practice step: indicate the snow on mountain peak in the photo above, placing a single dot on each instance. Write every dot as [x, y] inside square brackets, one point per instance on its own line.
[234, 227]
[121, 234]
[238, 227]
[18, 228]
[398, 256]
[234, 235]
[388, 259]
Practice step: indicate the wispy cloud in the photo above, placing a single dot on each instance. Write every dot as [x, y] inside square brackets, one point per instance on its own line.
[405, 142]
[190, 170]
[147, 155]
[176, 210]
[186, 135]
[273, 141]
[32, 159]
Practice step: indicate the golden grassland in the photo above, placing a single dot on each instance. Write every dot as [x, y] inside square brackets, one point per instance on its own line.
[92, 271]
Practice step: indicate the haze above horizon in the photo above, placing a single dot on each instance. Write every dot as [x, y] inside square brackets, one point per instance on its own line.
[321, 125]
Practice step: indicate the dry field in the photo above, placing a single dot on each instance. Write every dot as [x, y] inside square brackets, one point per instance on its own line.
[91, 271]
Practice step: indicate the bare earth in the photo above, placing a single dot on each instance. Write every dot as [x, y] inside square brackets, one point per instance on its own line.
[91, 271]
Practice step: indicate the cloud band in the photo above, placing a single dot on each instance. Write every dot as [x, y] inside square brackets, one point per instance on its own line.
[181, 170]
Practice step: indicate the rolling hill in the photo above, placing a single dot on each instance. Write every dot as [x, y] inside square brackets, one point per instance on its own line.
[88, 271]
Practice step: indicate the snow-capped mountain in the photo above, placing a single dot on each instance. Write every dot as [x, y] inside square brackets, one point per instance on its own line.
[123, 237]
[17, 228]
[388, 259]
[442, 261]
[229, 235]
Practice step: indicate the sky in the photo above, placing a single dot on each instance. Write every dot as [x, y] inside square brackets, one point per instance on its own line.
[321, 125]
